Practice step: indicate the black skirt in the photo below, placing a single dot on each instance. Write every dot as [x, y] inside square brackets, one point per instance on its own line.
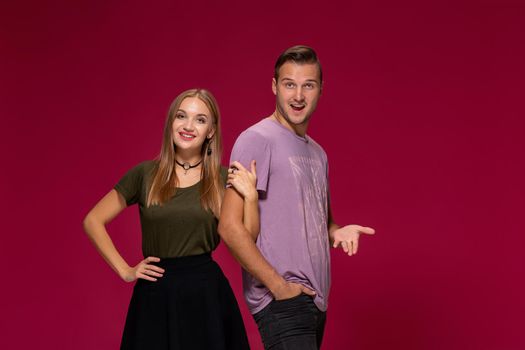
[191, 307]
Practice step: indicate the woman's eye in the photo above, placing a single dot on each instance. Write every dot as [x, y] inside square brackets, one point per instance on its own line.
[201, 121]
[180, 116]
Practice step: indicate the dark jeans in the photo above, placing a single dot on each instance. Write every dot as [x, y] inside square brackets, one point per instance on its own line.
[291, 324]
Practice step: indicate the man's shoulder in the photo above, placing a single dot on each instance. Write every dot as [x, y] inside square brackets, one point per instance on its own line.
[258, 132]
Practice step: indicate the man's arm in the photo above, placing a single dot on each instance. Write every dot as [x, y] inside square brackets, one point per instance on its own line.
[245, 183]
[332, 226]
[242, 246]
[347, 236]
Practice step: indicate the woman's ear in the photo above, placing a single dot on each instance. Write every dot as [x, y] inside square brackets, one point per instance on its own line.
[210, 134]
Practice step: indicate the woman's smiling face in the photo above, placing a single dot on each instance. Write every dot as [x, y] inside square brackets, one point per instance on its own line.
[192, 124]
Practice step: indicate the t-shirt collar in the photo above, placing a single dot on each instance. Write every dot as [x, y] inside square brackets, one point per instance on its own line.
[305, 139]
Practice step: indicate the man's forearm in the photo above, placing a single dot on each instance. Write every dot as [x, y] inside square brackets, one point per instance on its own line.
[332, 226]
[243, 248]
[242, 245]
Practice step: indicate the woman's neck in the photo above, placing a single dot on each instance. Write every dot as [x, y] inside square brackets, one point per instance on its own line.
[191, 158]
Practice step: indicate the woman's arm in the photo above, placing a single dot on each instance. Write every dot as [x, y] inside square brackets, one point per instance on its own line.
[244, 182]
[95, 222]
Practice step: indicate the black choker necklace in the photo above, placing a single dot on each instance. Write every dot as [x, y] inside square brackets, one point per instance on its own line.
[186, 166]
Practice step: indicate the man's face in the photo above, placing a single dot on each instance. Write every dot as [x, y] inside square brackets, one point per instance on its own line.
[297, 92]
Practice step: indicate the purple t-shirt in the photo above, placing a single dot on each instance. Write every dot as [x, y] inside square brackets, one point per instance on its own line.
[292, 174]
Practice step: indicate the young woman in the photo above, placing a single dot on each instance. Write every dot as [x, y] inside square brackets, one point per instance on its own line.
[181, 299]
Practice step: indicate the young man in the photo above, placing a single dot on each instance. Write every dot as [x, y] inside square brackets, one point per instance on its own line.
[287, 266]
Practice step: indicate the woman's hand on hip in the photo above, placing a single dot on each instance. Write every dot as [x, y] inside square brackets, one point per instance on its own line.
[144, 270]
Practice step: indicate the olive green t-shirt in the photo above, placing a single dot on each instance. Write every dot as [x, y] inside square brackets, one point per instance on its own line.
[180, 227]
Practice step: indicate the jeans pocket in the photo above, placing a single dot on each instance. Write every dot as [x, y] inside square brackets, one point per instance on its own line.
[289, 322]
[289, 300]
[283, 305]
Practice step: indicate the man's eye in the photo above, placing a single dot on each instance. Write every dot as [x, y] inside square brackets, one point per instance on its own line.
[289, 85]
[309, 86]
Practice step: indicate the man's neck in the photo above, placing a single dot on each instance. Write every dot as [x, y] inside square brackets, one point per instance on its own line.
[298, 129]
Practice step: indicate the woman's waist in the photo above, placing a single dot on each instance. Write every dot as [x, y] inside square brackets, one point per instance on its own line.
[183, 263]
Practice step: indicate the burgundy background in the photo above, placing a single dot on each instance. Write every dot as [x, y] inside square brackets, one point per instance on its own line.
[421, 116]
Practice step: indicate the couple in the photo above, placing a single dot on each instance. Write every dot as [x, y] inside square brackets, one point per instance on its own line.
[277, 224]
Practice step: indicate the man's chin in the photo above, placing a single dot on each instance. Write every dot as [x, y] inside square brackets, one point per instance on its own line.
[297, 120]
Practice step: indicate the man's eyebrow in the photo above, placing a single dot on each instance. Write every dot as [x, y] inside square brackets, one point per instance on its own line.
[307, 80]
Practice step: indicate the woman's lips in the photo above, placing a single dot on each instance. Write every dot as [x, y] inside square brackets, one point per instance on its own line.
[186, 136]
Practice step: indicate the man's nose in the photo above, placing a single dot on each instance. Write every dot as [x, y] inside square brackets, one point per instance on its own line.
[299, 96]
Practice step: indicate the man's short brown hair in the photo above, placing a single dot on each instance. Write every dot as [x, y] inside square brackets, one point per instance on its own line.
[299, 54]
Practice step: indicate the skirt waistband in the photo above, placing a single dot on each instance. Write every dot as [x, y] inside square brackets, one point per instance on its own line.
[185, 262]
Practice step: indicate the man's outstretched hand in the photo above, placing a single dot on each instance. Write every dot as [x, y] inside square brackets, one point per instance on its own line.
[348, 237]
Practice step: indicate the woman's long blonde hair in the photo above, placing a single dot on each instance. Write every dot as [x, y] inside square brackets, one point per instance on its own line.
[164, 177]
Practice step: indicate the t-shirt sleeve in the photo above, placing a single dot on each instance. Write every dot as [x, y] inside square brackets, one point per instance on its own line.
[250, 146]
[130, 185]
